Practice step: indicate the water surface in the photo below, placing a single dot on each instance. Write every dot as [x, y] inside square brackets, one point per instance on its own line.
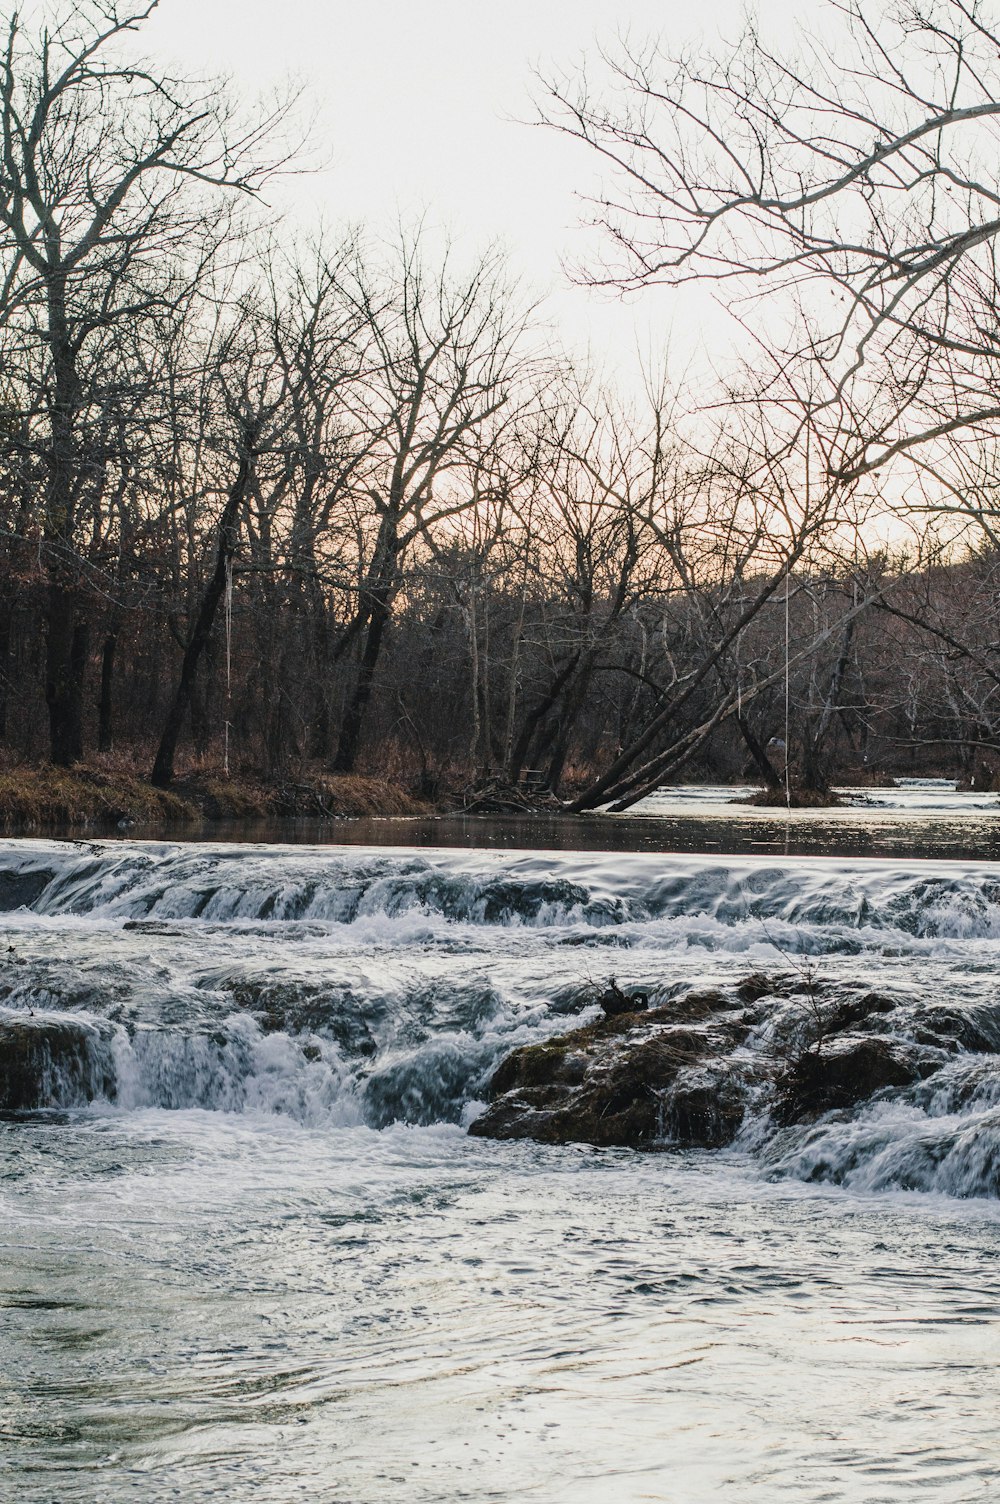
[266, 1262]
[912, 817]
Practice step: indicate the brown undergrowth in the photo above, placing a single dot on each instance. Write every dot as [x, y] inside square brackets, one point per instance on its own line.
[323, 796]
[40, 798]
[102, 796]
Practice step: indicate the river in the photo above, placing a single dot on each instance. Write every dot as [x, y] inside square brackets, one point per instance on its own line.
[248, 1251]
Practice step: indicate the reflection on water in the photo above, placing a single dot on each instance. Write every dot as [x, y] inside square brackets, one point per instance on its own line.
[915, 817]
[904, 796]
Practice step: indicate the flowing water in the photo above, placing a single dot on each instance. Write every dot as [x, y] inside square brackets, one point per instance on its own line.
[247, 1250]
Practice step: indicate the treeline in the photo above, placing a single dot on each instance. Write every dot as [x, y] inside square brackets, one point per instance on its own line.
[347, 506]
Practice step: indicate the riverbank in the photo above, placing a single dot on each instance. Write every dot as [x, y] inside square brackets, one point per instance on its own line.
[94, 797]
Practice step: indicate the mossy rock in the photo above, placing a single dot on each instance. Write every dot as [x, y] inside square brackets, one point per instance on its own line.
[973, 1029]
[858, 1010]
[704, 1107]
[554, 1062]
[759, 985]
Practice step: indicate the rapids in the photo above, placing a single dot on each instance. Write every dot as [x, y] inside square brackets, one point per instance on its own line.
[248, 1250]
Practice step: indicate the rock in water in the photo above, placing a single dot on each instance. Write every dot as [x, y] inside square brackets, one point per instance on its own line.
[847, 1071]
[22, 889]
[630, 1080]
[615, 1002]
[52, 1062]
[676, 1076]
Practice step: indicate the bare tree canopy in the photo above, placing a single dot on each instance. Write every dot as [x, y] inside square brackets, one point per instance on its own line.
[106, 216]
[855, 168]
[285, 503]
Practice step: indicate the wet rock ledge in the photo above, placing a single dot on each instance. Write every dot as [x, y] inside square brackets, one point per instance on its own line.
[608, 1082]
[685, 1073]
[48, 1061]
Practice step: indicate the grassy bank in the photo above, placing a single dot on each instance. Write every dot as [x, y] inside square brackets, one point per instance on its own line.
[94, 797]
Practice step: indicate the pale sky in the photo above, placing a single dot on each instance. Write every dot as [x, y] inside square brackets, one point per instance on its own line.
[417, 104]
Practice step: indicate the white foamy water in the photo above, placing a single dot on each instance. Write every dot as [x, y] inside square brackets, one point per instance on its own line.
[248, 1251]
[902, 796]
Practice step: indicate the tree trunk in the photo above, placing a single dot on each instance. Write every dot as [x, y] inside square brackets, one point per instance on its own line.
[814, 771]
[318, 744]
[529, 731]
[350, 730]
[66, 634]
[6, 633]
[572, 705]
[198, 709]
[618, 779]
[374, 614]
[163, 766]
[65, 665]
[762, 762]
[105, 711]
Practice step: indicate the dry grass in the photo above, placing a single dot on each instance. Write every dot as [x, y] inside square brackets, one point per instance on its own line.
[217, 797]
[316, 796]
[108, 792]
[87, 797]
[348, 794]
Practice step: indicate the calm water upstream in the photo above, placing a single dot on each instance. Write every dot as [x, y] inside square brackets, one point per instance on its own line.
[249, 1253]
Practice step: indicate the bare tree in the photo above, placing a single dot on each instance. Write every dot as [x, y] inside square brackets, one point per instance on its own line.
[856, 174]
[105, 185]
[599, 467]
[760, 509]
[264, 452]
[447, 370]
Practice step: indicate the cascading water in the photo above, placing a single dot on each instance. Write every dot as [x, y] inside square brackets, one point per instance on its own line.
[341, 987]
[248, 1251]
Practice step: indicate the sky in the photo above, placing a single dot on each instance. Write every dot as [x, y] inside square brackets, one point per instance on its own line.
[420, 107]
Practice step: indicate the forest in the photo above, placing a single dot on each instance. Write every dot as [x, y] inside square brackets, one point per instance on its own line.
[273, 504]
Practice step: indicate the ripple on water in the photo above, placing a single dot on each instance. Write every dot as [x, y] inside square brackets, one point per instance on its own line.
[227, 1285]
